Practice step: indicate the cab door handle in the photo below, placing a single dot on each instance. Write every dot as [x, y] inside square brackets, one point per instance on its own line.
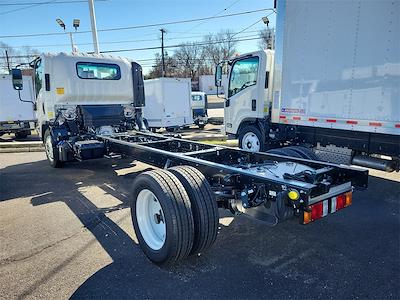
[253, 105]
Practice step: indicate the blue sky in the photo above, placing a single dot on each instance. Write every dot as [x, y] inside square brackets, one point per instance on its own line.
[122, 13]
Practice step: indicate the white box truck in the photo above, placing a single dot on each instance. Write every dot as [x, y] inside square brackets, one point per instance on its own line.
[206, 84]
[332, 84]
[168, 103]
[16, 116]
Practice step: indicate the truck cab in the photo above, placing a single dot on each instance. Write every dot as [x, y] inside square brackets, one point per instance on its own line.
[248, 97]
[80, 96]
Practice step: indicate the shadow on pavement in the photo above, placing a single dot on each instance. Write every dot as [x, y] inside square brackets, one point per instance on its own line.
[345, 255]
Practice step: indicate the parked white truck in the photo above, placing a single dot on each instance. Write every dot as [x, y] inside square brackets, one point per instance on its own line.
[90, 106]
[332, 84]
[16, 116]
[168, 103]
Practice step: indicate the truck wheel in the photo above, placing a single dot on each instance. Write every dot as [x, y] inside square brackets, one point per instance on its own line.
[204, 207]
[202, 126]
[21, 134]
[51, 150]
[251, 139]
[162, 217]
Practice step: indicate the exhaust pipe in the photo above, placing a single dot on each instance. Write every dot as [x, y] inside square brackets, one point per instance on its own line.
[376, 163]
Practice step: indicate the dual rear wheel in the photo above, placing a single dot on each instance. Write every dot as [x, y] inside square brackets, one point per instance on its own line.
[174, 214]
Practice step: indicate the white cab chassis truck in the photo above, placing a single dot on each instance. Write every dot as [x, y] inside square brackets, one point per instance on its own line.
[16, 116]
[331, 85]
[90, 106]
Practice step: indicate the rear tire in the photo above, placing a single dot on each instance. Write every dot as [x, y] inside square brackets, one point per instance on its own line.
[174, 212]
[251, 139]
[51, 150]
[204, 207]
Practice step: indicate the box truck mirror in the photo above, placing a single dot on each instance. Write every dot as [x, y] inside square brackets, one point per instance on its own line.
[218, 75]
[17, 79]
[138, 85]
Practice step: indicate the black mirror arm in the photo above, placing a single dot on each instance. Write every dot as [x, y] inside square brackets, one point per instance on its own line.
[27, 101]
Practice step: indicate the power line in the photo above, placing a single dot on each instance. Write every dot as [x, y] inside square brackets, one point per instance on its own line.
[158, 47]
[26, 7]
[47, 2]
[112, 42]
[180, 45]
[248, 27]
[142, 26]
[218, 13]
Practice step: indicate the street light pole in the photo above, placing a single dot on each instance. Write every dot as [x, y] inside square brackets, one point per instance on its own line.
[94, 26]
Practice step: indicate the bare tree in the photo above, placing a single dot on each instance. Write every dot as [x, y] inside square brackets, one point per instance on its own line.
[16, 57]
[189, 59]
[156, 70]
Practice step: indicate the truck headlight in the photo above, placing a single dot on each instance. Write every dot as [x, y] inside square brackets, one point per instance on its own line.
[69, 113]
[129, 112]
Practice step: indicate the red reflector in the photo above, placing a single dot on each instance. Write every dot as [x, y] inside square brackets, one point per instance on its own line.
[340, 201]
[397, 125]
[351, 122]
[312, 119]
[296, 118]
[331, 121]
[316, 211]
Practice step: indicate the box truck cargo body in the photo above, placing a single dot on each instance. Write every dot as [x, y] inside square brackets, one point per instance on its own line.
[331, 83]
[16, 116]
[168, 102]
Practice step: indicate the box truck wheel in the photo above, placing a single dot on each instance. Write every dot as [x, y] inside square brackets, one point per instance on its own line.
[203, 204]
[162, 217]
[251, 139]
[51, 150]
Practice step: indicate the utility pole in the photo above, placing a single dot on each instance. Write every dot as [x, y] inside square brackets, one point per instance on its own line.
[8, 62]
[162, 52]
[94, 26]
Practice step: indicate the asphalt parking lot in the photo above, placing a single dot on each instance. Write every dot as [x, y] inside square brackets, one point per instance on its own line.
[67, 233]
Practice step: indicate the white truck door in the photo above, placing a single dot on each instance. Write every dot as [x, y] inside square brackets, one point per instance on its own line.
[245, 92]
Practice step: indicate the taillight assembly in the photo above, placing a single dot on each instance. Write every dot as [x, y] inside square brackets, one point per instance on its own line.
[323, 208]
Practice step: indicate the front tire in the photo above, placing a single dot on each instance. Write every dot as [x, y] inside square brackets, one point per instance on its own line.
[251, 139]
[162, 217]
[51, 150]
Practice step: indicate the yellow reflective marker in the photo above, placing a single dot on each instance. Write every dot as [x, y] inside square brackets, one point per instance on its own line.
[60, 91]
[293, 195]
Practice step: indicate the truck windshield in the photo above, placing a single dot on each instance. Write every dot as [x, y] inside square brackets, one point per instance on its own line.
[243, 75]
[89, 70]
[196, 98]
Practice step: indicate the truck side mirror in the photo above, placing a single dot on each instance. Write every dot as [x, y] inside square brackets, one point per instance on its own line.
[138, 85]
[17, 79]
[218, 75]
